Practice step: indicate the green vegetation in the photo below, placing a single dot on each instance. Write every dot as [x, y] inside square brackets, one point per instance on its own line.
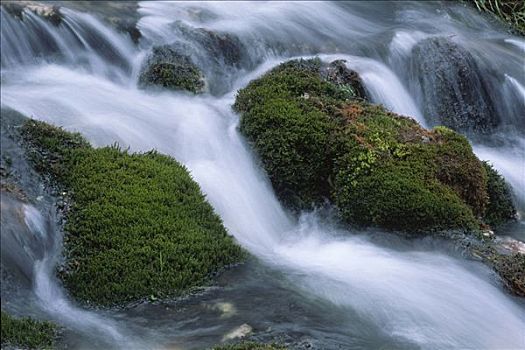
[249, 346]
[291, 134]
[138, 226]
[510, 11]
[27, 333]
[167, 68]
[500, 207]
[317, 141]
[394, 174]
[511, 268]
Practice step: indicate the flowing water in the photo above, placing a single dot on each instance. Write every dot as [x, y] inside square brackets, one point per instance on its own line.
[309, 279]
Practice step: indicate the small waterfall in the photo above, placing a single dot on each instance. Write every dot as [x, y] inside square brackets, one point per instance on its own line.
[78, 40]
[31, 244]
[414, 295]
[383, 85]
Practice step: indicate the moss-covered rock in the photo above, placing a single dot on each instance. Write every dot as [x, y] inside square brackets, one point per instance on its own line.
[138, 225]
[168, 68]
[500, 207]
[282, 118]
[511, 268]
[318, 140]
[392, 173]
[27, 333]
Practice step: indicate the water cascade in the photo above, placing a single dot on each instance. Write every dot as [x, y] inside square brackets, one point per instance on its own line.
[83, 77]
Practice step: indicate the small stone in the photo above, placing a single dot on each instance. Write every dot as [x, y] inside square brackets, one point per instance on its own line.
[488, 233]
[239, 332]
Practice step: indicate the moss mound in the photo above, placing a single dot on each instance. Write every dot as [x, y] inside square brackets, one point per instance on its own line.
[392, 173]
[511, 268]
[500, 207]
[138, 225]
[27, 333]
[166, 67]
[282, 118]
[318, 140]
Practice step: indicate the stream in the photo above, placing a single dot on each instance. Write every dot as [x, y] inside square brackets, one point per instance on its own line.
[308, 282]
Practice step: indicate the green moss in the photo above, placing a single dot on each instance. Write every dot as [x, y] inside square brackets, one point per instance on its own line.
[511, 268]
[138, 225]
[167, 68]
[291, 134]
[394, 174]
[171, 76]
[318, 142]
[500, 207]
[249, 346]
[27, 333]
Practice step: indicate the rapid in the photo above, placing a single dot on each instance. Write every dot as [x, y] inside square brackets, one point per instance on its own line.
[363, 289]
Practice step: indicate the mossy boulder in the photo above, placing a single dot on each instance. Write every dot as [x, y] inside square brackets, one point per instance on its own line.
[319, 140]
[500, 207]
[27, 333]
[511, 269]
[283, 119]
[137, 226]
[168, 68]
[392, 173]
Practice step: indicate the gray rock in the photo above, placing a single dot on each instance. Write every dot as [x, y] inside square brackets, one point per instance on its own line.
[49, 12]
[223, 48]
[336, 72]
[454, 93]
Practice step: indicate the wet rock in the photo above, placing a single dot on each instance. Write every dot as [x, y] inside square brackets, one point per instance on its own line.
[48, 12]
[168, 68]
[453, 91]
[126, 25]
[219, 55]
[219, 46]
[337, 73]
[505, 255]
[121, 15]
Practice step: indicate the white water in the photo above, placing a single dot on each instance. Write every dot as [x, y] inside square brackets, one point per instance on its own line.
[52, 298]
[422, 297]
